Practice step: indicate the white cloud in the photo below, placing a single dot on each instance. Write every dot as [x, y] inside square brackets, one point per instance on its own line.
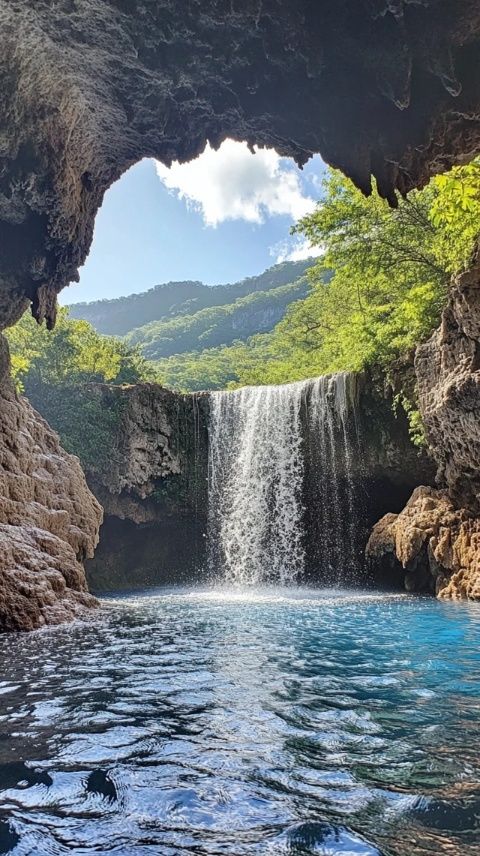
[294, 250]
[235, 184]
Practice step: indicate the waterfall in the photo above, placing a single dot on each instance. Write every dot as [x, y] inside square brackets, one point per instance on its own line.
[282, 495]
[255, 483]
[335, 466]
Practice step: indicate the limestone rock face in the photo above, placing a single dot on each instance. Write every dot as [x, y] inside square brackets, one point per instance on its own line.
[436, 539]
[49, 520]
[154, 431]
[448, 374]
[152, 484]
[436, 544]
[89, 87]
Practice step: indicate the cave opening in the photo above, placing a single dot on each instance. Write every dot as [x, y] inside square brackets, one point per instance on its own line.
[144, 446]
[145, 442]
[114, 90]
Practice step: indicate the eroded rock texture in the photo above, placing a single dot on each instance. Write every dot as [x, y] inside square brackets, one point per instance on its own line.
[448, 375]
[152, 484]
[432, 544]
[49, 520]
[436, 539]
[88, 87]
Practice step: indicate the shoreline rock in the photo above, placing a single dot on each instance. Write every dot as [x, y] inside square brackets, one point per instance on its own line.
[435, 544]
[49, 520]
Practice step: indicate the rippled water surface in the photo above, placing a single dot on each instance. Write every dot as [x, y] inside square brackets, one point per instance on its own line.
[292, 722]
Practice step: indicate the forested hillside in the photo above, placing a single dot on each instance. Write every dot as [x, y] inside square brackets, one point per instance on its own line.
[217, 325]
[118, 317]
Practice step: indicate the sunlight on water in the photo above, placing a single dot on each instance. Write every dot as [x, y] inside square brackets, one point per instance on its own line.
[261, 594]
[262, 721]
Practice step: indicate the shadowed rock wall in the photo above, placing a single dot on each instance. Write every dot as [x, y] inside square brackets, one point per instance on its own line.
[88, 87]
[49, 520]
[152, 484]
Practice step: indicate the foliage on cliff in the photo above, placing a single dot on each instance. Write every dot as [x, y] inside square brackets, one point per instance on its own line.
[391, 275]
[56, 369]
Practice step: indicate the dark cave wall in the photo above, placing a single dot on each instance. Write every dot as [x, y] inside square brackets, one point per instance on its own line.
[133, 555]
[89, 87]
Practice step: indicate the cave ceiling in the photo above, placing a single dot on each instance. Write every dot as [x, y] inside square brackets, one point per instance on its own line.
[383, 88]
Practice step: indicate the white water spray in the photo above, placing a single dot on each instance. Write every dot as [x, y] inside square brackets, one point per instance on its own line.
[273, 450]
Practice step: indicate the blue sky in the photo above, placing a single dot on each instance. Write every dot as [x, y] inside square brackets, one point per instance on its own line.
[220, 218]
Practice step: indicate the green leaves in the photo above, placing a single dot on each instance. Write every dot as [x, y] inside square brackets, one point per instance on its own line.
[455, 213]
[391, 276]
[72, 353]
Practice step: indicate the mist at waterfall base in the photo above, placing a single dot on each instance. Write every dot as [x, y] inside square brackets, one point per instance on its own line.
[283, 496]
[255, 721]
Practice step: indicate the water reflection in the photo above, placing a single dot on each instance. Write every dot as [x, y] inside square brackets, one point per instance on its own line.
[226, 722]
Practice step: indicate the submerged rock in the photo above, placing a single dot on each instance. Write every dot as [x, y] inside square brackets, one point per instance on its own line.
[49, 520]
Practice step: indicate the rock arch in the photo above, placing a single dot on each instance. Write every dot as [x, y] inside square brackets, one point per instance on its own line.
[389, 88]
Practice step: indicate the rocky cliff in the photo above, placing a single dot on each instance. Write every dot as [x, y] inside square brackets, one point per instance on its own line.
[436, 539]
[448, 375]
[434, 545]
[151, 480]
[49, 520]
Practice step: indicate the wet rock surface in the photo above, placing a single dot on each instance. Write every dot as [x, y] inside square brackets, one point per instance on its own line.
[448, 374]
[432, 544]
[49, 520]
[89, 87]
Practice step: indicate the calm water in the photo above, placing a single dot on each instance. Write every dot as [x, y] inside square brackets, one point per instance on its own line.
[274, 723]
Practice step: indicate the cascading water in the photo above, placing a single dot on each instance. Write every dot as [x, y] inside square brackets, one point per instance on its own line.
[335, 467]
[281, 473]
[255, 483]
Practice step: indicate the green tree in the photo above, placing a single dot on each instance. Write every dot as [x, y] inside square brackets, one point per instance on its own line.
[455, 213]
[72, 353]
[57, 371]
[391, 275]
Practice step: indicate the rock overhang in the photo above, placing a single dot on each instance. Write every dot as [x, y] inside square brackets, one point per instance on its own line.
[382, 88]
